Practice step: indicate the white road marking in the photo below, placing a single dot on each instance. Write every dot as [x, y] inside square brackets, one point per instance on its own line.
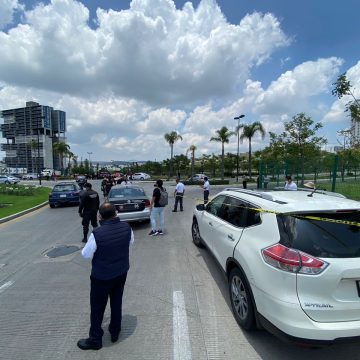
[182, 349]
[5, 286]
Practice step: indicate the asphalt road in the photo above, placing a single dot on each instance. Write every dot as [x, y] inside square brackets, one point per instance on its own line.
[176, 303]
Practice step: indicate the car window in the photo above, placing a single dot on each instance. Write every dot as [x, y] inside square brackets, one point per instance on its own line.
[126, 192]
[215, 206]
[328, 239]
[64, 188]
[234, 212]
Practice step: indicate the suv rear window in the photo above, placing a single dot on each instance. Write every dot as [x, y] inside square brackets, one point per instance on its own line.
[320, 238]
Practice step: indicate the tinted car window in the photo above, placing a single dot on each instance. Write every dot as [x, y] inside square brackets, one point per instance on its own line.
[322, 238]
[64, 188]
[215, 206]
[239, 213]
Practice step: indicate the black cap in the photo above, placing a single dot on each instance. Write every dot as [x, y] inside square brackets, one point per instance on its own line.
[88, 185]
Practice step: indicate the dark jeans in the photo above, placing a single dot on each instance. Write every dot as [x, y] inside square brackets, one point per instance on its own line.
[101, 290]
[90, 216]
[206, 196]
[179, 199]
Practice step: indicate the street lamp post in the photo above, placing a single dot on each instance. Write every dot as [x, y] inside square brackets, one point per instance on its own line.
[238, 140]
[89, 153]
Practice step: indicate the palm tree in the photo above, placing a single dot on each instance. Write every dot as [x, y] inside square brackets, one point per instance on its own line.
[171, 138]
[248, 131]
[62, 150]
[192, 148]
[223, 136]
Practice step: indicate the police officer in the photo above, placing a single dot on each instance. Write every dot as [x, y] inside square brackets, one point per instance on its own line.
[108, 246]
[89, 206]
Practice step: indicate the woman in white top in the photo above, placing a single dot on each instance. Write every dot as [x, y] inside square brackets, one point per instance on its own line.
[206, 187]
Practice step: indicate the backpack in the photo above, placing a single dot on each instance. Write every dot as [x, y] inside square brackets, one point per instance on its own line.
[163, 201]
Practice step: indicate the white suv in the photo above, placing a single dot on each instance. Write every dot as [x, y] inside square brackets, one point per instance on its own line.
[292, 260]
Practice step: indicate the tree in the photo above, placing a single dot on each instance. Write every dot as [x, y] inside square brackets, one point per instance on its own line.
[60, 148]
[192, 148]
[299, 140]
[171, 139]
[343, 87]
[223, 136]
[248, 132]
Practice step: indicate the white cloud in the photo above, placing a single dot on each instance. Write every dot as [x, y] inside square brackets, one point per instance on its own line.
[7, 10]
[152, 51]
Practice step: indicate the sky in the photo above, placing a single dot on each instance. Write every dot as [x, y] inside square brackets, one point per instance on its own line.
[127, 72]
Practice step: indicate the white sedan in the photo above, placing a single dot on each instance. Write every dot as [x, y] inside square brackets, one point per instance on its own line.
[140, 176]
[5, 179]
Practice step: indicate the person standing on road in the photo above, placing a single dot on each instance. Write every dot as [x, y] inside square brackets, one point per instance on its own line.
[206, 188]
[179, 195]
[108, 247]
[89, 206]
[290, 185]
[156, 209]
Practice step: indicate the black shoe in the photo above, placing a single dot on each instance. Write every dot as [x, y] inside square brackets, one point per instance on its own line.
[88, 344]
[84, 240]
[153, 233]
[160, 232]
[181, 209]
[114, 338]
[174, 210]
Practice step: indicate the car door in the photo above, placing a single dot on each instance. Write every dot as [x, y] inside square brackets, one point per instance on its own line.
[229, 229]
[210, 219]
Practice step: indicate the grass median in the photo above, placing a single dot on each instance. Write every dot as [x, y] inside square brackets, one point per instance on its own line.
[16, 198]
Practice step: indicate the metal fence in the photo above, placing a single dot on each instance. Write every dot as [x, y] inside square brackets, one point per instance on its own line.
[335, 175]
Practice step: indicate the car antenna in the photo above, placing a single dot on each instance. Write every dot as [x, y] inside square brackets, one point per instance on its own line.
[310, 185]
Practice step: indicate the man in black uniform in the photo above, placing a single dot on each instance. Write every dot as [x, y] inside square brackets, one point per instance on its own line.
[108, 246]
[89, 206]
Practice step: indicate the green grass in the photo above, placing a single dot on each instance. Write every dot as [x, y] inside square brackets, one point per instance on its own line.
[350, 189]
[17, 203]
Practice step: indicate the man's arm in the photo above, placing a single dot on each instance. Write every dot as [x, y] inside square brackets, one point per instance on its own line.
[81, 206]
[89, 249]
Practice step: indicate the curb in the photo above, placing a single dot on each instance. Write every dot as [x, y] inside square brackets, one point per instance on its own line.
[21, 213]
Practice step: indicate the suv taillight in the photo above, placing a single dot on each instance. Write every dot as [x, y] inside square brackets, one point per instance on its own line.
[291, 260]
[147, 203]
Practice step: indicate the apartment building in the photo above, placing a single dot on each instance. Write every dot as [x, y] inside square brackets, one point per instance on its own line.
[30, 133]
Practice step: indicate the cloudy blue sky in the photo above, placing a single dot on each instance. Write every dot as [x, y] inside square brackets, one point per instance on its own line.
[126, 72]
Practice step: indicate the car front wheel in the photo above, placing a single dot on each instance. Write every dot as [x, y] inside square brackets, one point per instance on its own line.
[7, 182]
[196, 234]
[241, 300]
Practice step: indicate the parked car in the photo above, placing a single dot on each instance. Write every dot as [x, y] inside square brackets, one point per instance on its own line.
[198, 178]
[131, 202]
[7, 179]
[140, 176]
[292, 260]
[30, 176]
[63, 193]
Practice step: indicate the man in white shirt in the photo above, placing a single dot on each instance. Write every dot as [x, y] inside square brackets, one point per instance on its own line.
[206, 187]
[108, 247]
[179, 194]
[290, 185]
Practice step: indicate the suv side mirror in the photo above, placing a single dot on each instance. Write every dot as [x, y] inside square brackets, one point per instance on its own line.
[200, 207]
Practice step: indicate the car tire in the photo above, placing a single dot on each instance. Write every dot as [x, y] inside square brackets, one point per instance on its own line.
[195, 232]
[241, 300]
[141, 178]
[7, 182]
[52, 205]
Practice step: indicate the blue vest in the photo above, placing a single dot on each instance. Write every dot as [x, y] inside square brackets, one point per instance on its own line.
[111, 258]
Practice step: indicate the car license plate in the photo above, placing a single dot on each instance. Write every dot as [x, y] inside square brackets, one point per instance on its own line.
[63, 195]
[358, 286]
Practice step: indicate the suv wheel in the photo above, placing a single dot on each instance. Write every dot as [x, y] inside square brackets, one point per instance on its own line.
[241, 300]
[196, 234]
[7, 182]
